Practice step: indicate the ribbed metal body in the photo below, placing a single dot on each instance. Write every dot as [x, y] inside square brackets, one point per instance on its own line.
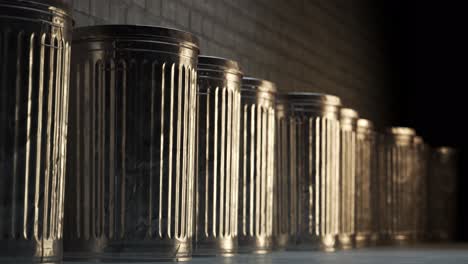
[421, 178]
[34, 76]
[217, 182]
[366, 184]
[375, 195]
[347, 182]
[318, 167]
[285, 203]
[442, 191]
[257, 166]
[401, 182]
[130, 191]
[383, 192]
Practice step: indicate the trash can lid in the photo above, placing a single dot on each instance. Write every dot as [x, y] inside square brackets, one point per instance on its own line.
[314, 98]
[250, 83]
[401, 131]
[349, 113]
[365, 123]
[163, 34]
[218, 63]
[43, 5]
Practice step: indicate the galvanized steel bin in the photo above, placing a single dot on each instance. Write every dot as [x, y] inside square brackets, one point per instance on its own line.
[286, 185]
[130, 191]
[34, 76]
[382, 194]
[421, 178]
[217, 183]
[257, 165]
[318, 168]
[347, 182]
[443, 193]
[367, 205]
[400, 169]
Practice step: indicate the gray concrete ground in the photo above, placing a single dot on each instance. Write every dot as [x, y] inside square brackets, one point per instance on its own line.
[432, 254]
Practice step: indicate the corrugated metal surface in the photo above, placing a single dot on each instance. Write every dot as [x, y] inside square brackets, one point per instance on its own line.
[34, 76]
[219, 82]
[132, 142]
[400, 170]
[318, 168]
[256, 181]
[347, 182]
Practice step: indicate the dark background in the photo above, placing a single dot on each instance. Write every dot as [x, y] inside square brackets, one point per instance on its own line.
[426, 53]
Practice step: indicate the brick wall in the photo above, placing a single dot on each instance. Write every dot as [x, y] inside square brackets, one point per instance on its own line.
[315, 45]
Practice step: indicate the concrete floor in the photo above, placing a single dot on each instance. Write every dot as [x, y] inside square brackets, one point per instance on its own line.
[436, 254]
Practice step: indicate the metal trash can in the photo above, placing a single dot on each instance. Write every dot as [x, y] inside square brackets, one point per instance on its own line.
[367, 205]
[257, 165]
[382, 194]
[421, 178]
[34, 75]
[285, 204]
[318, 168]
[130, 191]
[400, 168]
[347, 178]
[443, 193]
[219, 82]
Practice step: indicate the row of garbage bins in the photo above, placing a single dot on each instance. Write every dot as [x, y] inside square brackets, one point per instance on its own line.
[122, 143]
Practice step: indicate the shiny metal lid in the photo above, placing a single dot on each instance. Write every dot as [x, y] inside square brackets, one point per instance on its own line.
[348, 118]
[218, 64]
[418, 140]
[259, 90]
[42, 4]
[162, 35]
[218, 72]
[365, 123]
[314, 98]
[365, 126]
[401, 131]
[254, 84]
[445, 150]
[50, 12]
[348, 113]
[401, 135]
[315, 103]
